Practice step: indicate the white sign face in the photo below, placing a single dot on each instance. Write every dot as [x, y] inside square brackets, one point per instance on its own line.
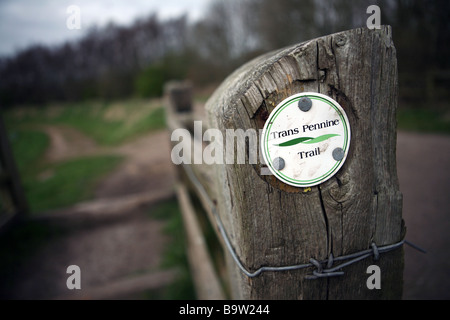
[306, 139]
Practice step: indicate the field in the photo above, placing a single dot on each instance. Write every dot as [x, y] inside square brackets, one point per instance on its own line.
[52, 182]
[93, 152]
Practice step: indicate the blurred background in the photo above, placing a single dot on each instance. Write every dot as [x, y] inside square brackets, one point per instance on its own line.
[81, 97]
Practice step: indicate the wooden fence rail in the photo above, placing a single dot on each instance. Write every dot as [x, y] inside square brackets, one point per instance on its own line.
[262, 222]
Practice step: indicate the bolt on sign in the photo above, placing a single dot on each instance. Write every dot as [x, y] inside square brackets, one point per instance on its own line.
[306, 139]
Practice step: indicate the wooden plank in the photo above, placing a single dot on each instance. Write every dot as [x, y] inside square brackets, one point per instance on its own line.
[198, 179]
[273, 224]
[205, 278]
[123, 288]
[200, 172]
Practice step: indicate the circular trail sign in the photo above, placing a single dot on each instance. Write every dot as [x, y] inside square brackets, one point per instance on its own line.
[306, 139]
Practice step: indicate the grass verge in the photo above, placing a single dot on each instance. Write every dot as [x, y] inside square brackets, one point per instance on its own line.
[52, 186]
[109, 124]
[66, 183]
[28, 147]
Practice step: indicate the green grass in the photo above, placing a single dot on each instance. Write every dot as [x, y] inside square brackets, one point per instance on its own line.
[152, 121]
[109, 124]
[114, 132]
[64, 184]
[175, 254]
[51, 186]
[28, 147]
[423, 120]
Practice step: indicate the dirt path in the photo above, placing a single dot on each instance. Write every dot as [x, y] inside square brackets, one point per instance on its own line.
[147, 163]
[118, 259]
[423, 162]
[67, 142]
[112, 238]
[147, 167]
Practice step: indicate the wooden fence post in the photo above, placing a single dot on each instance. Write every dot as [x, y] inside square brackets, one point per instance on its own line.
[179, 94]
[270, 223]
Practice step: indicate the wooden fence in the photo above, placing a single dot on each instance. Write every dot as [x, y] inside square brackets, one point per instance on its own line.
[264, 226]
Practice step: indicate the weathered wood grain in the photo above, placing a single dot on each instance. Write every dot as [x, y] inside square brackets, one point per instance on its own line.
[273, 224]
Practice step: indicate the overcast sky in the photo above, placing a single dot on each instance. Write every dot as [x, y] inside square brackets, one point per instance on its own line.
[26, 22]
